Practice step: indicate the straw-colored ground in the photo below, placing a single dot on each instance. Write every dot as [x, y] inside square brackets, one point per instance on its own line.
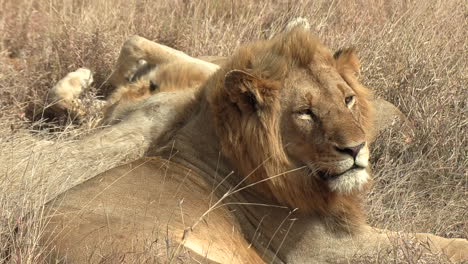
[413, 54]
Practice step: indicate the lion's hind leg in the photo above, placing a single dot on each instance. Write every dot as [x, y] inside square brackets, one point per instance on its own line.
[65, 95]
[63, 103]
[136, 49]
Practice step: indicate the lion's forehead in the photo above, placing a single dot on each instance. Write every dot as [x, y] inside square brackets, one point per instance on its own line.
[306, 87]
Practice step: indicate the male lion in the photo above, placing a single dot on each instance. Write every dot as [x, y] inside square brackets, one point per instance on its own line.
[268, 165]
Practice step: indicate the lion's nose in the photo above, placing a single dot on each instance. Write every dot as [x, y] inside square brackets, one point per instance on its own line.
[352, 151]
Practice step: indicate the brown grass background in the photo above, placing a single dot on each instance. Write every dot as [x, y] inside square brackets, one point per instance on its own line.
[414, 54]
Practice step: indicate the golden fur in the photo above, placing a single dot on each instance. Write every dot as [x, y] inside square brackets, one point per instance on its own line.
[277, 135]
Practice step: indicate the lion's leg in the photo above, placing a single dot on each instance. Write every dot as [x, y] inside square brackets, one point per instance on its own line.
[64, 97]
[137, 48]
[456, 249]
[422, 245]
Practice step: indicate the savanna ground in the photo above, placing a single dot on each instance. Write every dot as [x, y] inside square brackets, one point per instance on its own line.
[413, 53]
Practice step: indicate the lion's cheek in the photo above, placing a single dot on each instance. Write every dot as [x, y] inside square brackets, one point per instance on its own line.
[301, 154]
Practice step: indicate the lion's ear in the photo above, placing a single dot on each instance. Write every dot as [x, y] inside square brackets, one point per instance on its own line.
[347, 61]
[245, 90]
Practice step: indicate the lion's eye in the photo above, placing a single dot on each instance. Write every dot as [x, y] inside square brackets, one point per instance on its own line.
[307, 114]
[349, 100]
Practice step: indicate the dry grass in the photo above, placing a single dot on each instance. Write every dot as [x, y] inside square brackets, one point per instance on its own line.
[414, 53]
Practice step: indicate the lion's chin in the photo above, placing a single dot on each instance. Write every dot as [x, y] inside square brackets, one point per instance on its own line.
[350, 181]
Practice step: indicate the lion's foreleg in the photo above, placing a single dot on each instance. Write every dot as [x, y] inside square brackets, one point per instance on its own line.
[456, 249]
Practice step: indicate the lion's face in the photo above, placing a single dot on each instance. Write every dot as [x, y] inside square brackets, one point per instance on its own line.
[321, 128]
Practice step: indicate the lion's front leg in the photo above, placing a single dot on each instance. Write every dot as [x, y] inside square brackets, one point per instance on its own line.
[456, 249]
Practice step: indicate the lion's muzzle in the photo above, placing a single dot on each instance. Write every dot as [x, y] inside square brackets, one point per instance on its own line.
[348, 174]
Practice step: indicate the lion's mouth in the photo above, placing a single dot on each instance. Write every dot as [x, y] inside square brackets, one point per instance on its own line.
[327, 176]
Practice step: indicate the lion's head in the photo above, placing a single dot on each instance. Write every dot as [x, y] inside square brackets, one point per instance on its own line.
[289, 111]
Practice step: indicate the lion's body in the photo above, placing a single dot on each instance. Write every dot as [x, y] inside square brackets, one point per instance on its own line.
[268, 165]
[164, 200]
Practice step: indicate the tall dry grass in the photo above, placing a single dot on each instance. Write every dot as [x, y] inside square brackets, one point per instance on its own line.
[414, 54]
